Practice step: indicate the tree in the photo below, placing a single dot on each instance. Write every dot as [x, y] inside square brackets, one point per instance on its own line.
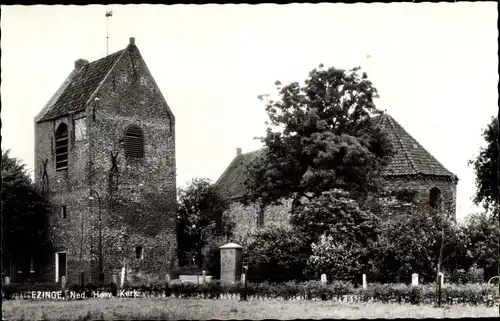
[486, 168]
[338, 215]
[321, 136]
[338, 259]
[482, 234]
[417, 242]
[25, 216]
[276, 254]
[200, 217]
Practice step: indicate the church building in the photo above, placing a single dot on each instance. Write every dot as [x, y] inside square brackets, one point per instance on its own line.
[413, 177]
[105, 158]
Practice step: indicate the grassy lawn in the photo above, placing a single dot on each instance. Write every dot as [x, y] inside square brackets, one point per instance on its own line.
[173, 309]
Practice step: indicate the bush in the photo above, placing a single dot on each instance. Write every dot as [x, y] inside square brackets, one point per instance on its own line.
[338, 260]
[277, 254]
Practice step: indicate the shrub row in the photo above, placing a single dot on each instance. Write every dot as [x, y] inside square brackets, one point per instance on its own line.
[474, 294]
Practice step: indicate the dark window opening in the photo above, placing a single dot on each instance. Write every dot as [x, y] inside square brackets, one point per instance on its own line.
[61, 138]
[138, 252]
[435, 197]
[134, 142]
[64, 211]
[32, 265]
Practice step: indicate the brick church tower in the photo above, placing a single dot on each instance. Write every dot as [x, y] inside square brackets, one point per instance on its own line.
[105, 158]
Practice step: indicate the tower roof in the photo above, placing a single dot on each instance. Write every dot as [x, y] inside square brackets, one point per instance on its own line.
[79, 88]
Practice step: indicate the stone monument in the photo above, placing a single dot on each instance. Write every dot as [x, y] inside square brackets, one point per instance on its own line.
[230, 263]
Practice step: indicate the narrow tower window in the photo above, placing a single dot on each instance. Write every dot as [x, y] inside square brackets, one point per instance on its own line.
[134, 142]
[139, 253]
[435, 197]
[64, 211]
[61, 147]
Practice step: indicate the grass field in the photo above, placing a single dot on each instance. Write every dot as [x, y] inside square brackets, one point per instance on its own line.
[174, 309]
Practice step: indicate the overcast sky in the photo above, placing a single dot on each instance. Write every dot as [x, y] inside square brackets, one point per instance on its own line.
[434, 65]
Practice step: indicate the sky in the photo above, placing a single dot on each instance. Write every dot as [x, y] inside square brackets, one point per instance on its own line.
[435, 66]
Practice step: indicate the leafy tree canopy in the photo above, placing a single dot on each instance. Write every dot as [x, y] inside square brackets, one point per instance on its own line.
[321, 136]
[486, 167]
[200, 211]
[337, 215]
[24, 210]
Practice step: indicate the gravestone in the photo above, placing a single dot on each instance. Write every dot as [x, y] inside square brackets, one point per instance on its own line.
[323, 279]
[414, 279]
[230, 262]
[7, 280]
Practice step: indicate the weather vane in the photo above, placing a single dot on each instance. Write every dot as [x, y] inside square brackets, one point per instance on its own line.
[108, 14]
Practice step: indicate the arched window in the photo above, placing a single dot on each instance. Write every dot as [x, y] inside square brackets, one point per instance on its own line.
[61, 147]
[134, 142]
[434, 197]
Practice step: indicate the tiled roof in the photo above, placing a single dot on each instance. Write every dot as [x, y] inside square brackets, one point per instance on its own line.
[231, 184]
[80, 87]
[410, 159]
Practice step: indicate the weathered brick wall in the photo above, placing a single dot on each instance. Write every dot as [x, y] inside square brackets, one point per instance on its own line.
[140, 209]
[245, 217]
[422, 187]
[65, 187]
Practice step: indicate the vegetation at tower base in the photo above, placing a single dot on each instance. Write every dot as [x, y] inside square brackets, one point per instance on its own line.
[201, 225]
[24, 219]
[321, 136]
[485, 167]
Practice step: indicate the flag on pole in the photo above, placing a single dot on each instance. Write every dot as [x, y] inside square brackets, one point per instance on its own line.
[109, 14]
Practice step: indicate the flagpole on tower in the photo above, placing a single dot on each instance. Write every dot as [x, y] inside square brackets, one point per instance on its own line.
[108, 14]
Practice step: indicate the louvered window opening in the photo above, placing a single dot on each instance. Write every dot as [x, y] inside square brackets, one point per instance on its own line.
[134, 142]
[61, 147]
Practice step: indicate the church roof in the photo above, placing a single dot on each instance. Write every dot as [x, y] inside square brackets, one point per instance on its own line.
[410, 159]
[78, 88]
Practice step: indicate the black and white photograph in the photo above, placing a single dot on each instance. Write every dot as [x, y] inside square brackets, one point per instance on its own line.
[250, 161]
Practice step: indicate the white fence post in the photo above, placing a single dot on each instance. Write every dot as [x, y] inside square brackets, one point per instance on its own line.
[414, 279]
[364, 281]
[323, 279]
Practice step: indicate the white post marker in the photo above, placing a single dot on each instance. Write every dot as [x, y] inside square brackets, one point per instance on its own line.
[364, 281]
[414, 279]
[323, 279]
[441, 278]
[122, 277]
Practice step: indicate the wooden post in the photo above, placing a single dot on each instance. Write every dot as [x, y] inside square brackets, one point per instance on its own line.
[203, 276]
[440, 284]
